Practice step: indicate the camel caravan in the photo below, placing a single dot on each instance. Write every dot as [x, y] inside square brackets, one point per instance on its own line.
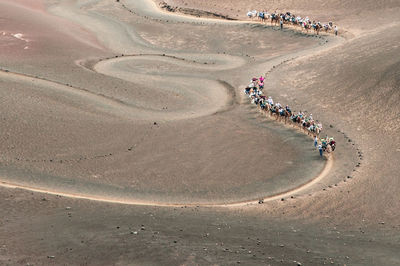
[288, 18]
[281, 113]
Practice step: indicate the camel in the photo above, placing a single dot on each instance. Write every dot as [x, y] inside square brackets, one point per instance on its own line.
[274, 19]
[252, 14]
[306, 26]
[317, 27]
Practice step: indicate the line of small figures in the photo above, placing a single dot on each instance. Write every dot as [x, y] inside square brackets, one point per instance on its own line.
[255, 92]
[289, 18]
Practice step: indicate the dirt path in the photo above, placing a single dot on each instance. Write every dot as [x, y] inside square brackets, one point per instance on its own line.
[279, 196]
[209, 98]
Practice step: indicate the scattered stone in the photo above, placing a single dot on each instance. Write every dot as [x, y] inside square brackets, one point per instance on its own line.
[282, 199]
[348, 176]
[44, 199]
[155, 123]
[67, 208]
[261, 201]
[281, 245]
[51, 257]
[382, 223]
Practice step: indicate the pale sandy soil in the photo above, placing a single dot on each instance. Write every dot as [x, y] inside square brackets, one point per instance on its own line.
[97, 134]
[124, 102]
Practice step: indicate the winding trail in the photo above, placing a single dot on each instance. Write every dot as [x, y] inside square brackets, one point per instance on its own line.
[285, 194]
[207, 96]
[205, 101]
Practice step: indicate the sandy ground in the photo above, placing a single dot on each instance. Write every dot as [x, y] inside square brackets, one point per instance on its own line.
[180, 133]
[125, 102]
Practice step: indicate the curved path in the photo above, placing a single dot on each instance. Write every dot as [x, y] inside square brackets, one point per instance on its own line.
[279, 196]
[203, 96]
[207, 97]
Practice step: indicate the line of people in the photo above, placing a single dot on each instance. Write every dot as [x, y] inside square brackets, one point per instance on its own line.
[289, 18]
[285, 114]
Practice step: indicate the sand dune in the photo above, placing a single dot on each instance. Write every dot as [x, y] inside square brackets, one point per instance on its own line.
[119, 104]
[155, 87]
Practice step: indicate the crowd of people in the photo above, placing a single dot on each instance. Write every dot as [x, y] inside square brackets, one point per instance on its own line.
[285, 114]
[289, 18]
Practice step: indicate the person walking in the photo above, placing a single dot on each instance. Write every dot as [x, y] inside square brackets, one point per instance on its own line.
[336, 30]
[281, 21]
[320, 150]
[315, 141]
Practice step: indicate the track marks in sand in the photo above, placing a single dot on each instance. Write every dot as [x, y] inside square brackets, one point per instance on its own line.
[317, 179]
[106, 105]
[116, 105]
[97, 102]
[186, 82]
